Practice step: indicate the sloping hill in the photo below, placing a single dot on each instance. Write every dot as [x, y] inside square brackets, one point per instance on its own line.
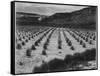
[84, 18]
[78, 19]
[28, 18]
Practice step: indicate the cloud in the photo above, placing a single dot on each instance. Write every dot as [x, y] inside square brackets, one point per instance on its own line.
[45, 9]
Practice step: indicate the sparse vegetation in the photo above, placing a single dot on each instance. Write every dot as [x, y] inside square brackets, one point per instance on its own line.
[18, 46]
[59, 40]
[31, 42]
[28, 52]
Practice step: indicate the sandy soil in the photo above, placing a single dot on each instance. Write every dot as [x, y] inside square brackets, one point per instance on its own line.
[24, 64]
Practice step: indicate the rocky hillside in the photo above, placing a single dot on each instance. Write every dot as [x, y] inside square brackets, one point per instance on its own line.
[85, 18]
[28, 18]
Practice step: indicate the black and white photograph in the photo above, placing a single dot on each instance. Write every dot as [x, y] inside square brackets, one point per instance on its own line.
[51, 37]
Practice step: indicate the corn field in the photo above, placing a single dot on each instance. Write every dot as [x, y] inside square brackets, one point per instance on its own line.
[49, 49]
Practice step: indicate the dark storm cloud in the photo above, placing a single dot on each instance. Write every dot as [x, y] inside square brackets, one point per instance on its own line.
[45, 9]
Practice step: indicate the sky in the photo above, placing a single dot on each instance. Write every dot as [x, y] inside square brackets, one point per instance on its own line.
[45, 9]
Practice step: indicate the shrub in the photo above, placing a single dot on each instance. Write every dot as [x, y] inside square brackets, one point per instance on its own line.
[45, 46]
[90, 42]
[81, 42]
[29, 38]
[90, 37]
[86, 40]
[59, 47]
[36, 43]
[33, 47]
[32, 37]
[83, 38]
[78, 40]
[26, 40]
[84, 45]
[44, 52]
[72, 48]
[21, 63]
[94, 38]
[28, 52]
[18, 46]
[23, 43]
[69, 43]
[60, 52]
[23, 37]
[20, 39]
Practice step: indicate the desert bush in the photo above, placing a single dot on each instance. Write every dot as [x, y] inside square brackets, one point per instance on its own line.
[72, 48]
[33, 47]
[59, 44]
[18, 46]
[84, 45]
[81, 42]
[26, 40]
[86, 40]
[90, 42]
[36, 43]
[23, 37]
[94, 38]
[83, 38]
[20, 39]
[23, 43]
[21, 63]
[90, 37]
[69, 43]
[44, 52]
[78, 40]
[28, 52]
[59, 40]
[45, 46]
[29, 38]
[32, 37]
[40, 39]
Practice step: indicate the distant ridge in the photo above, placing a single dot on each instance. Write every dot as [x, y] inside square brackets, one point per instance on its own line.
[80, 18]
[84, 18]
